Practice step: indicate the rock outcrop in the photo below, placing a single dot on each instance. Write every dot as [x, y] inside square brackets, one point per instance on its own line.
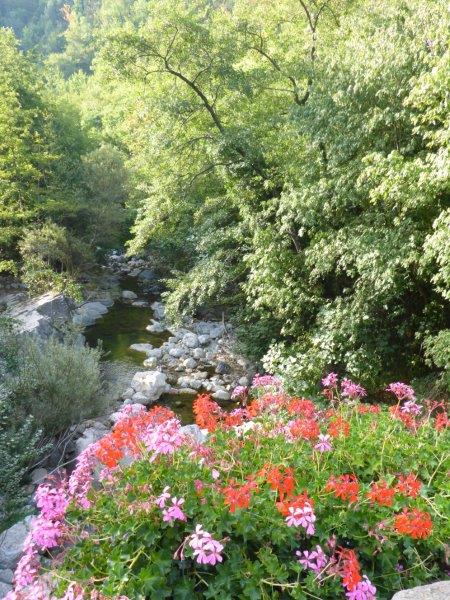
[435, 591]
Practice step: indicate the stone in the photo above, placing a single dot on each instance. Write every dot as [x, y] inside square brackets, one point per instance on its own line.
[188, 382]
[88, 313]
[139, 303]
[216, 332]
[11, 543]
[150, 383]
[6, 575]
[156, 352]
[190, 340]
[223, 368]
[155, 327]
[150, 362]
[128, 393]
[5, 588]
[159, 310]
[203, 339]
[435, 591]
[146, 275]
[38, 475]
[190, 363]
[144, 348]
[128, 295]
[195, 431]
[221, 395]
[140, 398]
[39, 315]
[244, 381]
[200, 375]
[90, 435]
[198, 353]
[177, 352]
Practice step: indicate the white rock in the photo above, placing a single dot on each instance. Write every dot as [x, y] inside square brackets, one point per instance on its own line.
[156, 352]
[127, 393]
[216, 332]
[128, 295]
[90, 435]
[221, 395]
[140, 398]
[198, 353]
[203, 339]
[158, 309]
[155, 327]
[150, 383]
[188, 382]
[190, 340]
[244, 381]
[38, 475]
[177, 352]
[150, 362]
[139, 303]
[145, 348]
[436, 591]
[194, 430]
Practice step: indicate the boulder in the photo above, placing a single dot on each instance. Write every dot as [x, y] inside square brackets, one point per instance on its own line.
[221, 395]
[156, 352]
[38, 475]
[188, 382]
[139, 303]
[155, 327]
[127, 393]
[436, 591]
[4, 589]
[88, 313]
[245, 381]
[159, 311]
[150, 383]
[203, 339]
[198, 353]
[190, 363]
[39, 315]
[216, 332]
[140, 398]
[128, 295]
[11, 543]
[146, 275]
[6, 575]
[90, 435]
[190, 340]
[150, 362]
[195, 431]
[145, 348]
[177, 352]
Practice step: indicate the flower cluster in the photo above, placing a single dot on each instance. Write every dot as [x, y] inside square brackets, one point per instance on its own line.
[207, 550]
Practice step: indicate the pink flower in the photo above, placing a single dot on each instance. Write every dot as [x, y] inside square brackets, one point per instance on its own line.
[351, 389]
[207, 551]
[364, 590]
[411, 408]
[165, 438]
[215, 474]
[161, 500]
[330, 381]
[28, 565]
[52, 502]
[266, 381]
[314, 561]
[239, 392]
[198, 485]
[73, 592]
[80, 481]
[323, 445]
[401, 390]
[302, 517]
[174, 512]
[45, 533]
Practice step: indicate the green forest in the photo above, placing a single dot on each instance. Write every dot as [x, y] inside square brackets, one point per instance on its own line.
[285, 162]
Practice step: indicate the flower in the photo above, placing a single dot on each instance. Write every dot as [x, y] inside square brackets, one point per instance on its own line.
[303, 428]
[52, 502]
[165, 438]
[302, 517]
[350, 570]
[161, 500]
[401, 391]
[46, 533]
[315, 560]
[323, 445]
[330, 380]
[207, 412]
[238, 496]
[352, 390]
[364, 590]
[206, 549]
[339, 426]
[411, 408]
[174, 512]
[441, 421]
[414, 523]
[281, 481]
[380, 493]
[266, 381]
[409, 485]
[28, 565]
[345, 487]
[240, 391]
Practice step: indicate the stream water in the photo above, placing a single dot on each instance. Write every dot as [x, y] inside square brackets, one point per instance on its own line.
[122, 326]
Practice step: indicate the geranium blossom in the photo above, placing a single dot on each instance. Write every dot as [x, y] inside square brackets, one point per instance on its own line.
[345, 487]
[414, 523]
[411, 408]
[240, 391]
[352, 390]
[330, 380]
[364, 590]
[165, 438]
[161, 500]
[51, 501]
[380, 493]
[401, 391]
[266, 381]
[174, 512]
[314, 560]
[302, 517]
[409, 485]
[207, 551]
[324, 444]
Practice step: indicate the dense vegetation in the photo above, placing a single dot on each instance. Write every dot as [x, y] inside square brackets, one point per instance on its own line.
[287, 161]
[346, 502]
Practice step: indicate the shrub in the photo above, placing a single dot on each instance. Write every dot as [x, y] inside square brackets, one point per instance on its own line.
[285, 499]
[58, 382]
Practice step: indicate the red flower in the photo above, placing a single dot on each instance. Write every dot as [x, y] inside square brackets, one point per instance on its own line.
[380, 493]
[345, 487]
[306, 429]
[441, 421]
[408, 485]
[207, 412]
[239, 496]
[301, 406]
[415, 523]
[350, 569]
[282, 482]
[369, 408]
[339, 426]
[298, 501]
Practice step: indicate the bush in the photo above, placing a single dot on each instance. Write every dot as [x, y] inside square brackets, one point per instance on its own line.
[58, 382]
[284, 499]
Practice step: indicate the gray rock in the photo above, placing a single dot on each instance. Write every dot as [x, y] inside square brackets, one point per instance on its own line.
[221, 395]
[128, 295]
[188, 382]
[155, 327]
[146, 275]
[90, 435]
[200, 375]
[203, 339]
[198, 353]
[216, 332]
[190, 340]
[4, 589]
[159, 311]
[190, 363]
[6, 575]
[436, 591]
[145, 348]
[39, 315]
[150, 383]
[195, 432]
[128, 393]
[244, 381]
[150, 362]
[139, 303]
[177, 352]
[11, 543]
[140, 398]
[38, 475]
[156, 352]
[223, 368]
